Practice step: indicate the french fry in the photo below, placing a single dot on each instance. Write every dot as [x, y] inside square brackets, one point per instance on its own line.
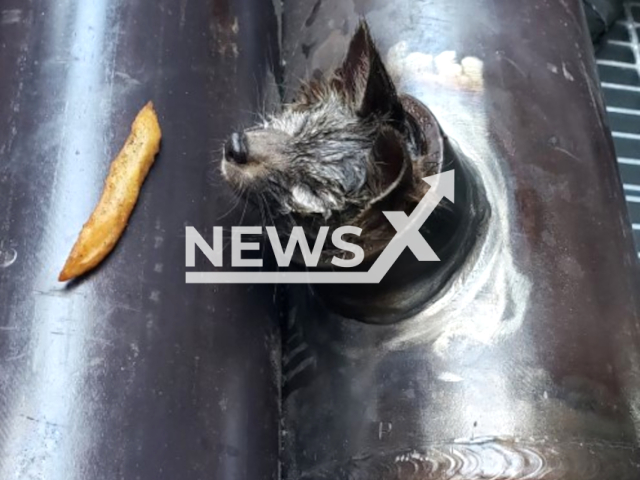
[119, 196]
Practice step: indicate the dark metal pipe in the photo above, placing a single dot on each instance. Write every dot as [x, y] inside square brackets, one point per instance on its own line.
[129, 373]
[526, 364]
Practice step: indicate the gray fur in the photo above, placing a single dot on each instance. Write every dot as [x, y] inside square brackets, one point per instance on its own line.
[331, 157]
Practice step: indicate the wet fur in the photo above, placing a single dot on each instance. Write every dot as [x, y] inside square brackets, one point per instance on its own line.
[342, 153]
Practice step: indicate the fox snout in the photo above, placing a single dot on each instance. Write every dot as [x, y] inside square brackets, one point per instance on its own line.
[235, 149]
[256, 146]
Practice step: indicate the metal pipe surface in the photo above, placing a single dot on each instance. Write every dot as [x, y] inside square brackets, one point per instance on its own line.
[129, 373]
[526, 364]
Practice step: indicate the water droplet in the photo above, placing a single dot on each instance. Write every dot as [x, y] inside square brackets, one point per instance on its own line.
[7, 257]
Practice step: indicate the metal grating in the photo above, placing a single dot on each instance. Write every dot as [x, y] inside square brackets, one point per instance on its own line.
[618, 60]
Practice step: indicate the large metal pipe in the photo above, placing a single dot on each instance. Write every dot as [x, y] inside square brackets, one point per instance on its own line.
[129, 373]
[525, 364]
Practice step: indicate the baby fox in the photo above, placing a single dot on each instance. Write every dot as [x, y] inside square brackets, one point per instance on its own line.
[343, 152]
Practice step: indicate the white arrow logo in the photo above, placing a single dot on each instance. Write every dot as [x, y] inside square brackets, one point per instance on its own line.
[408, 236]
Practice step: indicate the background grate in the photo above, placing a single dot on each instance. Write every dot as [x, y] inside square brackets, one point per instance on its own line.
[618, 59]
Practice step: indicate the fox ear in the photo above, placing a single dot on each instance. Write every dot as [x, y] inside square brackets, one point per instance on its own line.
[367, 81]
[392, 162]
[356, 64]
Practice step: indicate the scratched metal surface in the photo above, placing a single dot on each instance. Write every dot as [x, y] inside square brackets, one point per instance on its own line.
[129, 373]
[526, 366]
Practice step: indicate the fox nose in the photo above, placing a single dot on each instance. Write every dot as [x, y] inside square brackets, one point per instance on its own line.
[235, 149]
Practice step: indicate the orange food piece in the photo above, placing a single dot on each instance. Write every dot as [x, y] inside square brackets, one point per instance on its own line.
[119, 196]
